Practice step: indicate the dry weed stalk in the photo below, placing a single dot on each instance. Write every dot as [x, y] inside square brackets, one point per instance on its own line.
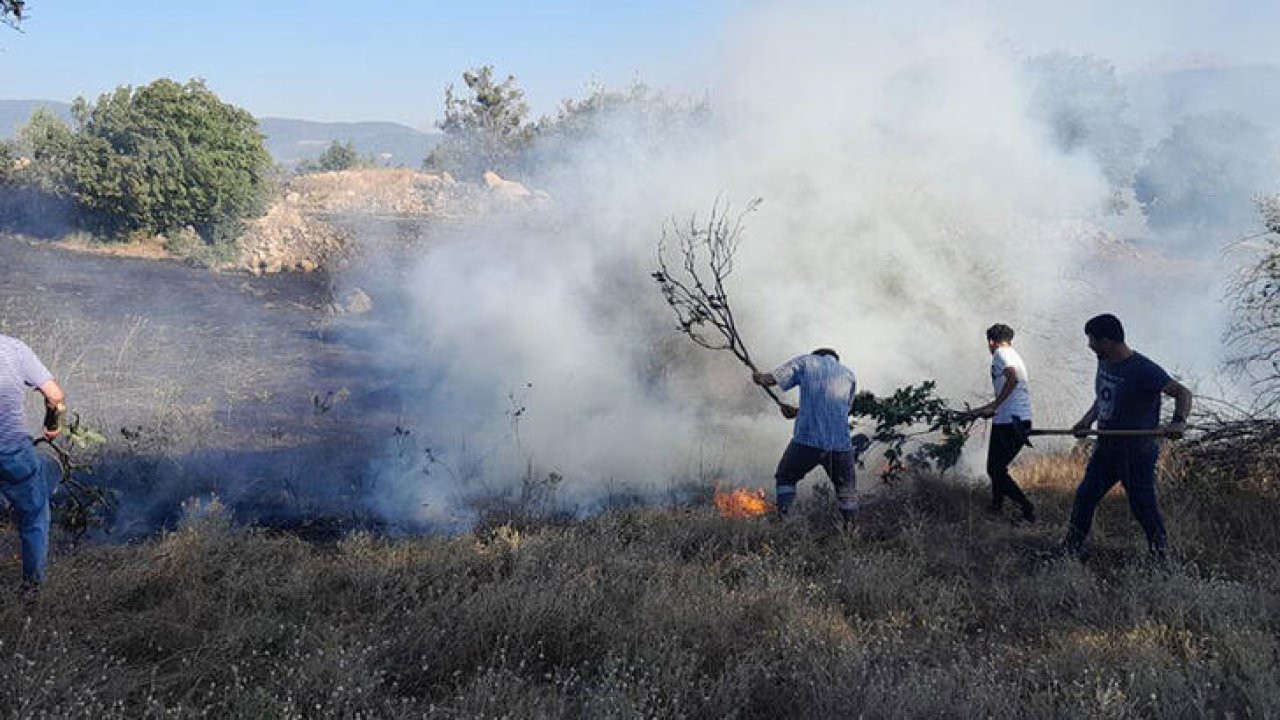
[1254, 333]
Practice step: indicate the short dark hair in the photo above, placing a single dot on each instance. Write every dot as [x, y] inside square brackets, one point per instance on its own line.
[1105, 327]
[827, 351]
[1000, 333]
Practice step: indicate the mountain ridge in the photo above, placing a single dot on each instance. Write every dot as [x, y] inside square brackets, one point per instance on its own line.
[289, 140]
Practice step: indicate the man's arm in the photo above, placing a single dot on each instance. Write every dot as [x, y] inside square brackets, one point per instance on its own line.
[54, 408]
[1010, 382]
[1087, 420]
[768, 380]
[1181, 408]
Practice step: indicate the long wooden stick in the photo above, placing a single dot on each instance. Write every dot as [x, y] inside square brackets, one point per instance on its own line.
[1156, 432]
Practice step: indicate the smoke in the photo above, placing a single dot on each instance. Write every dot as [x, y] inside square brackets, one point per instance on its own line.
[914, 194]
[923, 175]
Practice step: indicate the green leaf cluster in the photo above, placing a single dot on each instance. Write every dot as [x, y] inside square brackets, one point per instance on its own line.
[912, 412]
[154, 159]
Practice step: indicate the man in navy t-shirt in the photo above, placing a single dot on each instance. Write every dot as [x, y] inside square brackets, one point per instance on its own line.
[1128, 389]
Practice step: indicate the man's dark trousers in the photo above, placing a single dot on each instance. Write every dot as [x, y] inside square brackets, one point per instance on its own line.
[1131, 462]
[1007, 440]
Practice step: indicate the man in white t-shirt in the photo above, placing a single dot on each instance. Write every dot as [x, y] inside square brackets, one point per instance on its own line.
[1011, 419]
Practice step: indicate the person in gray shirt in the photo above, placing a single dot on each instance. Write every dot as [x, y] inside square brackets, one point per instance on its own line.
[25, 480]
[821, 434]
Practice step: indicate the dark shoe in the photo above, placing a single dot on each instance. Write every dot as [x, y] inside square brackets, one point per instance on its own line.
[1029, 513]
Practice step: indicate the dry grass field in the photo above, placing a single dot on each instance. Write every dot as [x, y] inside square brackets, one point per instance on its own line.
[930, 607]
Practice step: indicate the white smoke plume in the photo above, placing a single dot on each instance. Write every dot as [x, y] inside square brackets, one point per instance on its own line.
[912, 197]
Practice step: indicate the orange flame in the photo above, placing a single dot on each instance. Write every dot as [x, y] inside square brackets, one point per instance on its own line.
[741, 503]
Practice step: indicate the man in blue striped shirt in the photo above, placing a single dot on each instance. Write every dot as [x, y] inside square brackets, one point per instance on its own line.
[25, 480]
[821, 435]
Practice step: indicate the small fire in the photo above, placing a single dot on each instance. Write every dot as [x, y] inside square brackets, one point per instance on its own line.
[741, 503]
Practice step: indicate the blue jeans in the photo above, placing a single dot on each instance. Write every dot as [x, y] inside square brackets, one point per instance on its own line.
[1133, 464]
[26, 480]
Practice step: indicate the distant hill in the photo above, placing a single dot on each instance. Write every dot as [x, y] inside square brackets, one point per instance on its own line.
[15, 113]
[289, 141]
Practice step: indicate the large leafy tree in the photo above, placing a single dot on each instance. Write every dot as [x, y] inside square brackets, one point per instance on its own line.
[157, 159]
[486, 128]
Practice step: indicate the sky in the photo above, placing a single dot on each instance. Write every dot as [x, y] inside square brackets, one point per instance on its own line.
[324, 60]
[384, 60]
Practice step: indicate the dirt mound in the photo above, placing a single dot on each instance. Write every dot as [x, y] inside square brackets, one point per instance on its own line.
[288, 238]
[306, 226]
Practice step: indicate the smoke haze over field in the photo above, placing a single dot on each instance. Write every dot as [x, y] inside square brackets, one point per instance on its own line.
[915, 193]
[925, 171]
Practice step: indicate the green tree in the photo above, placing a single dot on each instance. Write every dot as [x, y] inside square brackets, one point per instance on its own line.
[8, 162]
[51, 147]
[157, 159]
[486, 129]
[337, 157]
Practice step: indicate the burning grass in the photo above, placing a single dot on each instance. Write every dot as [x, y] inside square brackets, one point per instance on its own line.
[929, 607]
[741, 502]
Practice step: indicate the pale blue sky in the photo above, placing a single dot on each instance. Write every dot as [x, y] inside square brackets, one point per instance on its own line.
[326, 60]
[386, 60]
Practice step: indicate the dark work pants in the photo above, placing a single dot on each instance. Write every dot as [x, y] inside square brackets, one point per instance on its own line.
[1006, 442]
[797, 460]
[1133, 465]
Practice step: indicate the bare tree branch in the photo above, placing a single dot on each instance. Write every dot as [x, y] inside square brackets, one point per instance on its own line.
[1253, 337]
[697, 292]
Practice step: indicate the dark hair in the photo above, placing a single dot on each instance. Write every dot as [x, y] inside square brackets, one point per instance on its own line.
[1105, 327]
[1000, 333]
[828, 352]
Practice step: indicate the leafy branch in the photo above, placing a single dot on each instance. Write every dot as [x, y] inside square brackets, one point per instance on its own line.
[915, 406]
[80, 504]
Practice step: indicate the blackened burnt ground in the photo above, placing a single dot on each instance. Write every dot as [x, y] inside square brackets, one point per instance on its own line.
[251, 389]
